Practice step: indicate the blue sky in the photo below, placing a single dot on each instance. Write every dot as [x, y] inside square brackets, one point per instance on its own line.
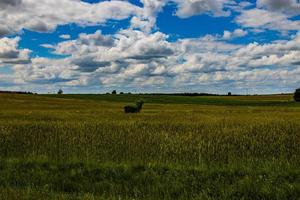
[150, 46]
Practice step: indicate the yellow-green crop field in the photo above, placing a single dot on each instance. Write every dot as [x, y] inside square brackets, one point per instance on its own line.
[86, 147]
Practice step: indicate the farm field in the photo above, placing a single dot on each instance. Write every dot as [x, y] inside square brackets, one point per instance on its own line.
[86, 147]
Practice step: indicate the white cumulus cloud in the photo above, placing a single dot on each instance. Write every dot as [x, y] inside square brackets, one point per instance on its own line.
[11, 54]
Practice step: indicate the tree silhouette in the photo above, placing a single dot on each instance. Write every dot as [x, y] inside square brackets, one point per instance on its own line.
[60, 91]
[297, 95]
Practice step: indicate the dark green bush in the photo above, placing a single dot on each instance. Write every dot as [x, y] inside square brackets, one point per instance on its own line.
[297, 95]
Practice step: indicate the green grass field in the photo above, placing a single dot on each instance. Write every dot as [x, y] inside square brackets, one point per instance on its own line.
[85, 147]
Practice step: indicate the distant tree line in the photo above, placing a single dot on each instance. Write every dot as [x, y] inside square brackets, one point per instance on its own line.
[114, 92]
[186, 94]
[195, 94]
[16, 92]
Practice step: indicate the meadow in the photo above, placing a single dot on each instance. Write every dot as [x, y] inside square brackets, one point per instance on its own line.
[86, 147]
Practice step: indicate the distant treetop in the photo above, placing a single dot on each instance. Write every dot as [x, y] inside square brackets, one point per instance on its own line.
[60, 91]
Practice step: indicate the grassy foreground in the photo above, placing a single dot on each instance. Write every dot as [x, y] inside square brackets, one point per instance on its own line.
[85, 147]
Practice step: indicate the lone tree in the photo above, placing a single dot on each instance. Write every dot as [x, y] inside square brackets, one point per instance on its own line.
[114, 92]
[60, 91]
[229, 94]
[297, 95]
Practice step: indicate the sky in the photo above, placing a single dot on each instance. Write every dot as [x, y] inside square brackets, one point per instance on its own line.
[96, 46]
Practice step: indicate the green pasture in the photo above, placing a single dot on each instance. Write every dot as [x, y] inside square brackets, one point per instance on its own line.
[86, 147]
